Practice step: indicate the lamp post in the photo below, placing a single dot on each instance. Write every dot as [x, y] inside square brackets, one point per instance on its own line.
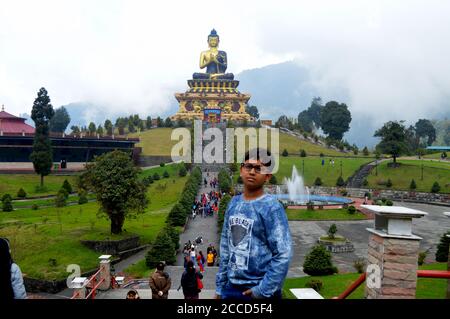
[421, 177]
[303, 168]
[341, 168]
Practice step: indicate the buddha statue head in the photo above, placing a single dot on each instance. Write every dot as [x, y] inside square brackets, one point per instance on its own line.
[213, 39]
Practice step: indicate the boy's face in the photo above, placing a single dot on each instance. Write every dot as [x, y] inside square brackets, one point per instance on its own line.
[254, 174]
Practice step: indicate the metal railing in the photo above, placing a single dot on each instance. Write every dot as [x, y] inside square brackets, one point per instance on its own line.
[442, 274]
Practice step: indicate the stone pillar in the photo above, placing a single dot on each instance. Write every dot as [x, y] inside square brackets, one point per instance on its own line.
[105, 273]
[396, 261]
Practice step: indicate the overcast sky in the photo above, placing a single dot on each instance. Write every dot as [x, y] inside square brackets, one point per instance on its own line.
[393, 57]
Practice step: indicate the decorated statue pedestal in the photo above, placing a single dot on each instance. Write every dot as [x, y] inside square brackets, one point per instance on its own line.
[212, 100]
[212, 96]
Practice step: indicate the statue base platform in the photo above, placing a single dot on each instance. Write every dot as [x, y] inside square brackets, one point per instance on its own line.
[206, 95]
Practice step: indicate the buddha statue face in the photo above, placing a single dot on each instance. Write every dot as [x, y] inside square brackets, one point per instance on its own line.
[213, 42]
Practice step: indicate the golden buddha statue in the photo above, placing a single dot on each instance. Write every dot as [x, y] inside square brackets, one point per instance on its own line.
[214, 60]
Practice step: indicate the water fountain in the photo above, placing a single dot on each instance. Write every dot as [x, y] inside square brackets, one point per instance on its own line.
[299, 194]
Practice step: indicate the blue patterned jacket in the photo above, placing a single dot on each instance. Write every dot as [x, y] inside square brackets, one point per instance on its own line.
[255, 245]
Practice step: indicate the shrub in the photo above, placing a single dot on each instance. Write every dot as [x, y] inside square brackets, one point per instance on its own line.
[66, 185]
[359, 265]
[182, 172]
[365, 151]
[35, 207]
[389, 183]
[314, 284]
[435, 188]
[166, 174]
[163, 249]
[174, 235]
[5, 196]
[148, 180]
[222, 209]
[321, 155]
[82, 197]
[332, 231]
[412, 185]
[21, 193]
[156, 177]
[7, 203]
[318, 181]
[340, 182]
[285, 153]
[388, 203]
[273, 180]
[177, 215]
[318, 262]
[60, 200]
[64, 191]
[365, 182]
[442, 248]
[351, 209]
[302, 153]
[162, 164]
[422, 256]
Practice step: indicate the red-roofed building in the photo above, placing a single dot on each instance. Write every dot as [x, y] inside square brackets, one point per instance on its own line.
[10, 124]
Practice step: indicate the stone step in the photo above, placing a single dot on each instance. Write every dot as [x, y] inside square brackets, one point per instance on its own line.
[147, 294]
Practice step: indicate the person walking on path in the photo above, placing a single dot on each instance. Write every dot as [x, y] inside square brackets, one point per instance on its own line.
[255, 244]
[201, 261]
[210, 259]
[11, 280]
[192, 254]
[190, 282]
[160, 283]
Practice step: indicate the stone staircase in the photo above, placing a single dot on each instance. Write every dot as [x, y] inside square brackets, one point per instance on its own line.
[175, 272]
[357, 179]
[214, 166]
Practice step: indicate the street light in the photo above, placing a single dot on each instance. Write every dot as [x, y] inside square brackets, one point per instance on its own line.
[341, 168]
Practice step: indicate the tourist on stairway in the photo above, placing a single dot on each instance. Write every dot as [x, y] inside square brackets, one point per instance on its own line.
[11, 280]
[190, 282]
[160, 282]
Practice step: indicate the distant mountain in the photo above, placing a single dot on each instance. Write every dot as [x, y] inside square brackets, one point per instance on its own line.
[285, 88]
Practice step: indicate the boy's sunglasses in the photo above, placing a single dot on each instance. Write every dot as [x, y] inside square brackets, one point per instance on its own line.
[248, 167]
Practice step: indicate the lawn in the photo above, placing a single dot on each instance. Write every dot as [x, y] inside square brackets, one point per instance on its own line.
[139, 270]
[52, 233]
[11, 183]
[411, 169]
[334, 285]
[157, 142]
[46, 202]
[313, 168]
[324, 214]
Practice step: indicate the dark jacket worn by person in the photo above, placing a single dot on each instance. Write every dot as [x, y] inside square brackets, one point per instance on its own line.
[189, 283]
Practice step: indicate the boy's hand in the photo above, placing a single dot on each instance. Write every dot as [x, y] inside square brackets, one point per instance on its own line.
[248, 293]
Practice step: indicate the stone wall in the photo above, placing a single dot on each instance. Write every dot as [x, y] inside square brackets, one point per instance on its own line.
[397, 261]
[144, 161]
[394, 195]
[112, 247]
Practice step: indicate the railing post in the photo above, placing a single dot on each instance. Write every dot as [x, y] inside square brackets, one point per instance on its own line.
[105, 272]
[79, 287]
[392, 253]
[448, 262]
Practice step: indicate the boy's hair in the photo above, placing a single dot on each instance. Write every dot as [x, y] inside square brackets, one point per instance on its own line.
[132, 292]
[160, 266]
[260, 154]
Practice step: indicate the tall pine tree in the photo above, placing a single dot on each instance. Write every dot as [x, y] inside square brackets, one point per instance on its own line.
[42, 155]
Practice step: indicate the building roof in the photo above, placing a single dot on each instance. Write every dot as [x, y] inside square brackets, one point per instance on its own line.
[439, 148]
[13, 124]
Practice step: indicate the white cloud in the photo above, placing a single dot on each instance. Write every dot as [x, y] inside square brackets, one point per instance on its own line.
[390, 56]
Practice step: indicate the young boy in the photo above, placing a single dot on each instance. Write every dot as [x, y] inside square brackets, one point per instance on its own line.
[256, 245]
